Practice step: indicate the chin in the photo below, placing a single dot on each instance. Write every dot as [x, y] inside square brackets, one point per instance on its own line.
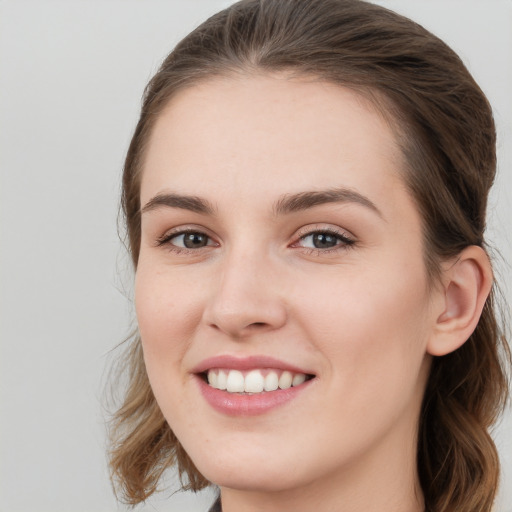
[247, 470]
[247, 479]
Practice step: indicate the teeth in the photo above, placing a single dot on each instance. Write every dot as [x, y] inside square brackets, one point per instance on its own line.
[271, 381]
[285, 381]
[254, 381]
[222, 380]
[213, 379]
[298, 379]
[235, 382]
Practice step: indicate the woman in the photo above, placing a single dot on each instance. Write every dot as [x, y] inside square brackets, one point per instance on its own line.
[305, 198]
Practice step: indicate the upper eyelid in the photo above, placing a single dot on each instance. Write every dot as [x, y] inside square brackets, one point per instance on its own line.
[324, 228]
[187, 228]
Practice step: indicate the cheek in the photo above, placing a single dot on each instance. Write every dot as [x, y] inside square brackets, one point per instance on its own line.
[373, 327]
[167, 310]
[384, 297]
[377, 369]
[167, 314]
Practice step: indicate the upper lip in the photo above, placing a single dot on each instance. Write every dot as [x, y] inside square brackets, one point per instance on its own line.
[246, 363]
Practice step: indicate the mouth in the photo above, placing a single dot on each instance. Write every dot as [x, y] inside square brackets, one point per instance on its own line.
[253, 385]
[254, 381]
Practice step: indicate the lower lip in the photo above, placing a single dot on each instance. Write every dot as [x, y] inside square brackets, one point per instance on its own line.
[234, 404]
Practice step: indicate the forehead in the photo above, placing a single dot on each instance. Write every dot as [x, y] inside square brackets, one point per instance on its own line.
[269, 134]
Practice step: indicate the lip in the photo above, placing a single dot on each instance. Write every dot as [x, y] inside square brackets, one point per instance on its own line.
[246, 363]
[234, 404]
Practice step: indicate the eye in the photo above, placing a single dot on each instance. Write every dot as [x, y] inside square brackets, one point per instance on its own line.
[186, 240]
[320, 241]
[324, 240]
[190, 240]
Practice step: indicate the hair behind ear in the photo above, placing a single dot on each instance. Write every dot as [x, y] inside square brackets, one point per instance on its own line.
[466, 392]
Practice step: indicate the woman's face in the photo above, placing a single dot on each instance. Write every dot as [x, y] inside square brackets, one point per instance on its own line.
[280, 246]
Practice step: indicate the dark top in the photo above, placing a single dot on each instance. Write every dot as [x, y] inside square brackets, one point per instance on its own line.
[216, 506]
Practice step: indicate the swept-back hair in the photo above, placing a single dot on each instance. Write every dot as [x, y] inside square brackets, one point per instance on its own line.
[444, 126]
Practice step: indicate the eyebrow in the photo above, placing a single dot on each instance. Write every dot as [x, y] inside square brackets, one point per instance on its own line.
[191, 203]
[290, 203]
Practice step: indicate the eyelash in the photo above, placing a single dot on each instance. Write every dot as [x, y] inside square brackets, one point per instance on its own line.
[165, 240]
[344, 241]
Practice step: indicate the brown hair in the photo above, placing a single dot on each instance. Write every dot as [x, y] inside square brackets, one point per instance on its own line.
[445, 127]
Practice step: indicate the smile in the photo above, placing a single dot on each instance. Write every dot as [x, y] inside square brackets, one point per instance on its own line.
[250, 385]
[254, 381]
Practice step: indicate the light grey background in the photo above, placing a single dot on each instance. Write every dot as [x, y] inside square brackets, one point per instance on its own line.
[71, 77]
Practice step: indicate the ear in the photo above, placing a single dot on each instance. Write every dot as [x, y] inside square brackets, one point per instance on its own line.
[467, 282]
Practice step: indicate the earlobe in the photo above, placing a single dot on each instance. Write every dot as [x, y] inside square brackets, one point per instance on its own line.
[467, 283]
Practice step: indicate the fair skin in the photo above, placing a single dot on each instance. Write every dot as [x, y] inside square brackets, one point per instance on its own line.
[333, 286]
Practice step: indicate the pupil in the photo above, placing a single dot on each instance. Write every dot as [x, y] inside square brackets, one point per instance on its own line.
[194, 240]
[324, 240]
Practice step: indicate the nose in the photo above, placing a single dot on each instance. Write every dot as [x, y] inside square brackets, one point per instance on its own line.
[247, 297]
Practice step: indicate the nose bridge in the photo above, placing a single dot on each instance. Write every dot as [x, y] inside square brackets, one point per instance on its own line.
[246, 295]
